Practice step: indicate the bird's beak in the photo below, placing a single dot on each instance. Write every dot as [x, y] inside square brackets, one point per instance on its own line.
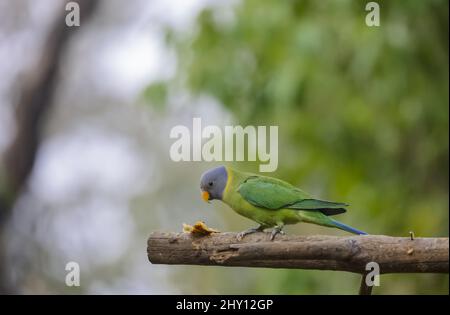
[205, 196]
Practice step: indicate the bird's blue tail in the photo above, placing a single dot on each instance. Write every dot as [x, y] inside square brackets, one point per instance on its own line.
[347, 228]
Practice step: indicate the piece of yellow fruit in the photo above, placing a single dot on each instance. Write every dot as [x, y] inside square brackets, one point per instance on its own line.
[199, 228]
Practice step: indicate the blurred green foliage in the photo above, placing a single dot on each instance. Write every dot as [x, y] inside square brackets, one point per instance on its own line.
[156, 94]
[363, 112]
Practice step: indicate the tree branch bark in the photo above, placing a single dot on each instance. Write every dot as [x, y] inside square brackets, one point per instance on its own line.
[393, 254]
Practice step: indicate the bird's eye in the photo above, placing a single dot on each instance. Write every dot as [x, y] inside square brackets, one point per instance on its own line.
[210, 183]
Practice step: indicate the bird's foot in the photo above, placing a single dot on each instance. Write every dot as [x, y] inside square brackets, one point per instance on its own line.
[241, 235]
[276, 230]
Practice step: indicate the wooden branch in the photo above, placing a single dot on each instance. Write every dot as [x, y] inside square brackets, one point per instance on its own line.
[393, 254]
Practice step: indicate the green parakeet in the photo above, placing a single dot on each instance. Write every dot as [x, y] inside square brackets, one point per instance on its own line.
[268, 201]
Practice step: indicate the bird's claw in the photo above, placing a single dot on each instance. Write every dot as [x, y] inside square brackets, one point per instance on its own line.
[275, 231]
[242, 234]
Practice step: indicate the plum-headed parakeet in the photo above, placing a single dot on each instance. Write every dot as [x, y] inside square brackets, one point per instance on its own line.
[268, 201]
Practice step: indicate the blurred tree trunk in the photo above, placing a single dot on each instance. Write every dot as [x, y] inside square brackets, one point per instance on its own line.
[35, 101]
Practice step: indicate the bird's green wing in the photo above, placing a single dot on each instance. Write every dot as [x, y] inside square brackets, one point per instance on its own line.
[273, 194]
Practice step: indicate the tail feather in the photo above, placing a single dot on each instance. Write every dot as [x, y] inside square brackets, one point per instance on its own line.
[347, 228]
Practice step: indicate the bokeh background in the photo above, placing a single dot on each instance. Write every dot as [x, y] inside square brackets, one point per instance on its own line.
[85, 117]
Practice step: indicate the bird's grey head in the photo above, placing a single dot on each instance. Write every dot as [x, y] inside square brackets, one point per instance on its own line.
[213, 182]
